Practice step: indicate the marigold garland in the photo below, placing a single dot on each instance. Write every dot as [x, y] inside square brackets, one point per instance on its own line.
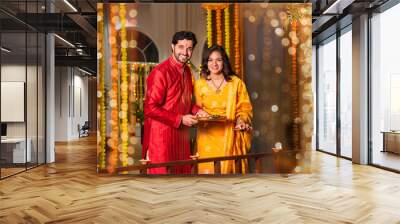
[218, 7]
[218, 23]
[209, 27]
[236, 39]
[131, 106]
[113, 142]
[124, 87]
[294, 16]
[134, 78]
[227, 31]
[140, 85]
[294, 92]
[100, 90]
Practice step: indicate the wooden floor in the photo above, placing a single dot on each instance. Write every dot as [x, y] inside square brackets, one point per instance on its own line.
[10, 171]
[70, 191]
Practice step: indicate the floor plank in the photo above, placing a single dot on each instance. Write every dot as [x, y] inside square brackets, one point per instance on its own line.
[70, 191]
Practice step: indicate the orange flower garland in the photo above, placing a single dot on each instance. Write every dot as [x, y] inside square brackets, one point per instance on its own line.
[218, 7]
[209, 27]
[236, 39]
[131, 100]
[218, 17]
[294, 93]
[113, 94]
[134, 80]
[227, 31]
[100, 90]
[294, 17]
[124, 87]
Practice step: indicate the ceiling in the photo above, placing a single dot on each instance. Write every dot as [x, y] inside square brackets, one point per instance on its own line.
[76, 24]
[332, 15]
[79, 27]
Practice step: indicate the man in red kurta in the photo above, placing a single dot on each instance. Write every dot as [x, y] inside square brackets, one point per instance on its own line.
[168, 108]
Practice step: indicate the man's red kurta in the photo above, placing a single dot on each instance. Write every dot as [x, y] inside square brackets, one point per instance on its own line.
[168, 98]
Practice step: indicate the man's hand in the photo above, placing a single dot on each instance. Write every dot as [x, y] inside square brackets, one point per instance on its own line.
[202, 113]
[189, 120]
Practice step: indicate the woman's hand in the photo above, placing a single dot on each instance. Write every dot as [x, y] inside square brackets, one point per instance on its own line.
[202, 113]
[242, 126]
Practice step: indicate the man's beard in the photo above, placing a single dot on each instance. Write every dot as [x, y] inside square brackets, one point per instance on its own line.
[178, 58]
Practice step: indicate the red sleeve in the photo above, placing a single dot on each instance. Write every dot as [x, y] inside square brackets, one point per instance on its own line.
[155, 98]
[195, 108]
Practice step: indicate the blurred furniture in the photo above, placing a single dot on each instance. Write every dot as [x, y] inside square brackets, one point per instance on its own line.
[391, 141]
[84, 130]
[13, 150]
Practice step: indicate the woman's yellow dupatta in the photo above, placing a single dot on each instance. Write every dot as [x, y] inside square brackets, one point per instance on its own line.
[237, 142]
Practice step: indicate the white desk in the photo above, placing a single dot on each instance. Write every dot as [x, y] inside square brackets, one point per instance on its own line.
[17, 147]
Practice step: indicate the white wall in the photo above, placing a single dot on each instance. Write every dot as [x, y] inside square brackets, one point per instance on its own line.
[70, 83]
[13, 73]
[9, 73]
[79, 117]
[33, 127]
[61, 103]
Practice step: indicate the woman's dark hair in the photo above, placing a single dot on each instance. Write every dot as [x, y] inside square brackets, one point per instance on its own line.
[184, 35]
[226, 69]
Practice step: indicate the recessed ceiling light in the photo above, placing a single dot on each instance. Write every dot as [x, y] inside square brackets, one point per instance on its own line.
[84, 71]
[64, 40]
[5, 50]
[70, 5]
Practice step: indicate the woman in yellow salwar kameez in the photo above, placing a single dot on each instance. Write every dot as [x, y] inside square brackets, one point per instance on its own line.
[220, 92]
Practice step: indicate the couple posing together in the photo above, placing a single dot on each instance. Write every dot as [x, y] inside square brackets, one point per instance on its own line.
[170, 111]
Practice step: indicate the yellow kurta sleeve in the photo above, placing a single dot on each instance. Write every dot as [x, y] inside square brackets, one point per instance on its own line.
[197, 92]
[244, 110]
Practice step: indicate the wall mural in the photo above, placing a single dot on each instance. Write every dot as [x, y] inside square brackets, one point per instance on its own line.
[262, 122]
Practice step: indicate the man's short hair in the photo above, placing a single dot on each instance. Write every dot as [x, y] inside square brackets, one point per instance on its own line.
[184, 35]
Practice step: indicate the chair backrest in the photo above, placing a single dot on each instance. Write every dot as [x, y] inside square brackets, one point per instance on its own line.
[86, 125]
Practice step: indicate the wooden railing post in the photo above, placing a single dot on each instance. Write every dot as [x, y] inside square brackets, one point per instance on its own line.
[195, 168]
[217, 167]
[238, 166]
[258, 162]
[169, 169]
[277, 162]
[276, 152]
[144, 162]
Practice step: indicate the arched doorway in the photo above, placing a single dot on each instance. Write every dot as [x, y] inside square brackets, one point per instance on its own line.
[141, 48]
